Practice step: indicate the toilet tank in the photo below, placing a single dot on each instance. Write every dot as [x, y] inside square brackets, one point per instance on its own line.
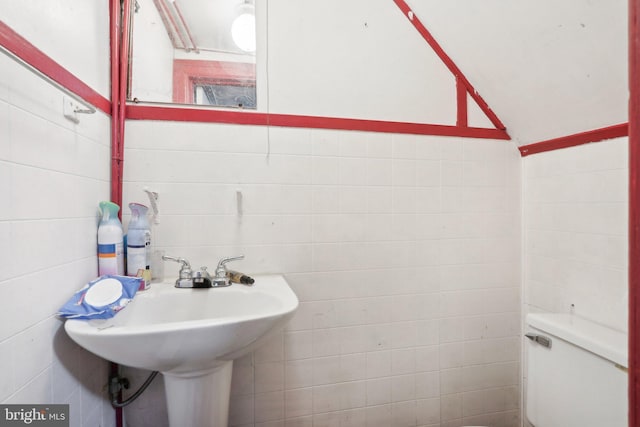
[580, 379]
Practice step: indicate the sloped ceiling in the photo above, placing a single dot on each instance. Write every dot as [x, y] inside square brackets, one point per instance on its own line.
[547, 68]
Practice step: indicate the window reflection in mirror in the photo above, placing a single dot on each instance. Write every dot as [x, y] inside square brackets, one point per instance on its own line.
[194, 52]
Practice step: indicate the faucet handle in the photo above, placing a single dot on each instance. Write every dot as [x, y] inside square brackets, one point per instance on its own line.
[221, 270]
[185, 269]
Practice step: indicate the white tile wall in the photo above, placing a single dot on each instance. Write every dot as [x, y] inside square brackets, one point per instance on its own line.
[575, 216]
[575, 232]
[52, 176]
[403, 250]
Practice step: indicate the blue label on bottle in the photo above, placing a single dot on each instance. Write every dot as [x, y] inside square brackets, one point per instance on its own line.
[107, 249]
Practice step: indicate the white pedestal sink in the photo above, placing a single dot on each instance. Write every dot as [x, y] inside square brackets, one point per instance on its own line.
[191, 336]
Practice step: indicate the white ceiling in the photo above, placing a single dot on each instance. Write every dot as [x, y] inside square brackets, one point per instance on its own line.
[547, 68]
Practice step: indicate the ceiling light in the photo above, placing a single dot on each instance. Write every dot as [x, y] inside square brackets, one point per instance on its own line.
[243, 29]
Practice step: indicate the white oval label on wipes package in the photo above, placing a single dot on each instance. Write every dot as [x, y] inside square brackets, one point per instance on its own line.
[104, 292]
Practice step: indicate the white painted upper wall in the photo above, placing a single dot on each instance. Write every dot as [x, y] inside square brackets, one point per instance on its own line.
[360, 58]
[546, 68]
[74, 33]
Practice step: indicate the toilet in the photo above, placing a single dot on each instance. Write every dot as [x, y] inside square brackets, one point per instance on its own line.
[576, 373]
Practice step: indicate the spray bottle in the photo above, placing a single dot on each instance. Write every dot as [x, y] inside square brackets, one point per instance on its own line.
[139, 243]
[110, 241]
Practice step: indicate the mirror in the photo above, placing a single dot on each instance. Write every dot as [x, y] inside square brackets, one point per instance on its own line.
[198, 52]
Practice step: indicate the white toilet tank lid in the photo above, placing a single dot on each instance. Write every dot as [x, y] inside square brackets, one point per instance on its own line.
[601, 340]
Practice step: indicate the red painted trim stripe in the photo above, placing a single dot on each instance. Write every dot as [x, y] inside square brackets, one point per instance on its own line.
[116, 147]
[587, 137]
[124, 70]
[114, 35]
[144, 112]
[634, 214]
[31, 55]
[114, 45]
[448, 62]
[114, 370]
[461, 92]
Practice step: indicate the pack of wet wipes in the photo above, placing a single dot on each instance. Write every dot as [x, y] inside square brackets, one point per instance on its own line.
[101, 298]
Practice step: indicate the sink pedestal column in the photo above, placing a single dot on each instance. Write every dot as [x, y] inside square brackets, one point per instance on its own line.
[199, 400]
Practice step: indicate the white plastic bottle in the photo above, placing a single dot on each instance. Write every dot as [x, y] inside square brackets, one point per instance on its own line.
[110, 241]
[138, 241]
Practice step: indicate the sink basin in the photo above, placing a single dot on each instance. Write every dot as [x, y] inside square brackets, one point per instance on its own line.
[175, 330]
[191, 336]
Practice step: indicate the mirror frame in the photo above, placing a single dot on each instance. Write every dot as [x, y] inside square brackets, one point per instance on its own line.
[187, 73]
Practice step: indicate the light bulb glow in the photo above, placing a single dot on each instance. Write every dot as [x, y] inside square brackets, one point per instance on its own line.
[243, 32]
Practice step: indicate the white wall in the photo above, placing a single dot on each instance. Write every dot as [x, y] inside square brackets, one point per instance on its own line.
[575, 221]
[52, 176]
[356, 59]
[404, 252]
[75, 33]
[546, 68]
[576, 244]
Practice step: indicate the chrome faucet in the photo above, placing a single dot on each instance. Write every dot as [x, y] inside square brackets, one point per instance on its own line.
[202, 278]
[220, 279]
[185, 275]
